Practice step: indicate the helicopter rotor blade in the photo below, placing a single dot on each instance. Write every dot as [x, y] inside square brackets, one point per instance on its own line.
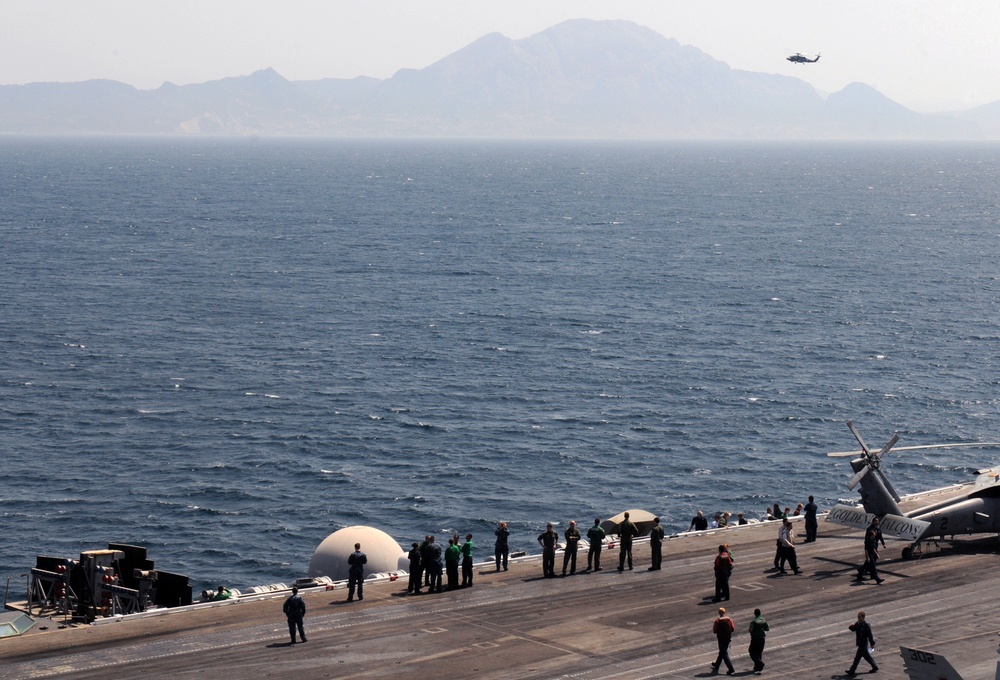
[846, 454]
[947, 446]
[888, 485]
[854, 431]
[853, 481]
[921, 447]
[888, 445]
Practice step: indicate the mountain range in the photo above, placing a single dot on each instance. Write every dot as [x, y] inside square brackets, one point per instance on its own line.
[581, 78]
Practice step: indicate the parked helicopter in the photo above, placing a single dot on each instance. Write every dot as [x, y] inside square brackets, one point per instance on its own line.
[921, 665]
[799, 58]
[974, 512]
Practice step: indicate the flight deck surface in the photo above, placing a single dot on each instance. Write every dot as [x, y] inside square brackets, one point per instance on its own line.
[516, 624]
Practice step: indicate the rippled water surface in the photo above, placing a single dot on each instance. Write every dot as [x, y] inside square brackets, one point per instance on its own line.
[225, 350]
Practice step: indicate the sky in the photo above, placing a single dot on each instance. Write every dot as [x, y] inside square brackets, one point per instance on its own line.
[929, 56]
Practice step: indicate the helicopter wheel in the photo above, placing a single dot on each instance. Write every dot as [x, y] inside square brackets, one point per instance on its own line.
[908, 552]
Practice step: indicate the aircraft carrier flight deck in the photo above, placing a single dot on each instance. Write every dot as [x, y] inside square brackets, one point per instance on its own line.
[608, 624]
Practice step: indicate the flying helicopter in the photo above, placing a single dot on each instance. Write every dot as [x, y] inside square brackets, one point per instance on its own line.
[799, 58]
[976, 511]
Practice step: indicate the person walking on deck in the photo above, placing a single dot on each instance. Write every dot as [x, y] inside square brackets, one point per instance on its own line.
[865, 642]
[758, 635]
[723, 629]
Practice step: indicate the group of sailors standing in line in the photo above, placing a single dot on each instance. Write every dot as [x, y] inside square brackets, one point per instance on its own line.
[429, 563]
[549, 540]
[627, 531]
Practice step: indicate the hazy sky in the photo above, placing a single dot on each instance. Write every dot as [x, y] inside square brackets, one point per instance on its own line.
[927, 55]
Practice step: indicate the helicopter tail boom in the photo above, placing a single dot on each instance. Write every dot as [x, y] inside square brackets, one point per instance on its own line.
[875, 495]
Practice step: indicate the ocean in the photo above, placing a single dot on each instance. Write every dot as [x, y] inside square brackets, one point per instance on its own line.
[225, 350]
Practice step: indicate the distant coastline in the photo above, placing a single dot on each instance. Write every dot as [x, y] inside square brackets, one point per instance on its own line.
[542, 87]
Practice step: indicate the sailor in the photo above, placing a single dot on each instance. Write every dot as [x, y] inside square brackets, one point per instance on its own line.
[811, 524]
[467, 561]
[877, 528]
[425, 559]
[548, 540]
[627, 530]
[723, 629]
[416, 569]
[595, 535]
[433, 565]
[786, 546]
[356, 573]
[452, 556]
[865, 641]
[872, 536]
[699, 522]
[572, 542]
[223, 593]
[758, 636]
[295, 611]
[500, 548]
[871, 550]
[723, 569]
[656, 544]
[779, 549]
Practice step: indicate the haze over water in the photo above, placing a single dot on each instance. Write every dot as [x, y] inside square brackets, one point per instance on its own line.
[226, 350]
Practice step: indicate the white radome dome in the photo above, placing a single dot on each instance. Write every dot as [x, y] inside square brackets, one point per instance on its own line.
[330, 558]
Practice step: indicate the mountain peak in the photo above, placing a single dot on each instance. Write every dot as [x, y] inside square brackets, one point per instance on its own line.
[267, 75]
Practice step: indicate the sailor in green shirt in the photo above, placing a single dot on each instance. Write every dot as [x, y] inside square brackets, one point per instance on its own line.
[572, 541]
[595, 535]
[758, 633]
[467, 561]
